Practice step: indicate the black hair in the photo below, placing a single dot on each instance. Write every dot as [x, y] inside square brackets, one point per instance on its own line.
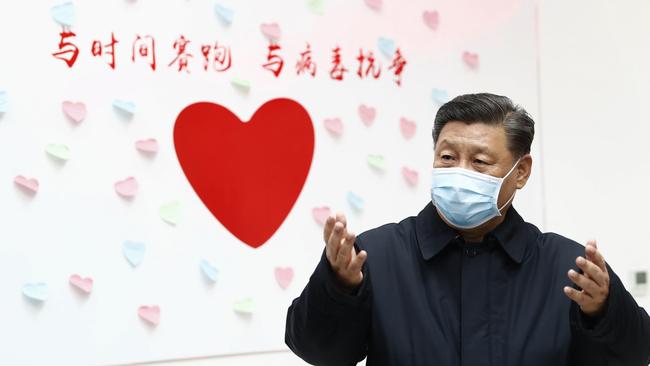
[493, 110]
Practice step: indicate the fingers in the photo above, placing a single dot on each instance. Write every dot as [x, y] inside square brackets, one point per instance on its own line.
[341, 218]
[593, 282]
[344, 255]
[357, 262]
[580, 297]
[327, 230]
[329, 225]
[593, 254]
[592, 271]
[334, 242]
[587, 284]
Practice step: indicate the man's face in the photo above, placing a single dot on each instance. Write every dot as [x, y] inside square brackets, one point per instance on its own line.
[482, 148]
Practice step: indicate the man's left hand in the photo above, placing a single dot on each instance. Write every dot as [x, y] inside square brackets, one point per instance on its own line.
[594, 281]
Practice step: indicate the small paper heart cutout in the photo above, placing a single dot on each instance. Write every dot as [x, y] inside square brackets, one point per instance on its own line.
[30, 185]
[125, 107]
[376, 162]
[225, 14]
[36, 291]
[148, 146]
[271, 31]
[244, 307]
[334, 126]
[407, 127]
[83, 284]
[321, 214]
[127, 188]
[355, 201]
[150, 314]
[367, 114]
[133, 252]
[171, 212]
[284, 275]
[4, 102]
[209, 271]
[439, 96]
[75, 111]
[471, 59]
[431, 19]
[63, 14]
[58, 151]
[374, 4]
[410, 176]
[386, 46]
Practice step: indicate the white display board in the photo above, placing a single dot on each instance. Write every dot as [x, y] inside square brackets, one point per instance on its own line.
[76, 222]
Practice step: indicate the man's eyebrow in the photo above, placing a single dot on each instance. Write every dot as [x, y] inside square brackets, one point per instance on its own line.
[478, 147]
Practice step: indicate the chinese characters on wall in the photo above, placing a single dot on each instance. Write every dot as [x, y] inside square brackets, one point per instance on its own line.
[186, 56]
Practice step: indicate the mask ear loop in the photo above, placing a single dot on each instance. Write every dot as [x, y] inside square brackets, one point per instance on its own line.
[513, 193]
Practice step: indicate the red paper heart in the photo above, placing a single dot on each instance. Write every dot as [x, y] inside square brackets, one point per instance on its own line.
[248, 174]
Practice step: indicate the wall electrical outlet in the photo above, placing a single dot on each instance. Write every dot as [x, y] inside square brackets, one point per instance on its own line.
[639, 286]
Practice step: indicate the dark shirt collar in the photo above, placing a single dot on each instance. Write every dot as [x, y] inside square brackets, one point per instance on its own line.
[433, 234]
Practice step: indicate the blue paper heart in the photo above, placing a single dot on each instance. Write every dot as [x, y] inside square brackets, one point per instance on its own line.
[209, 271]
[134, 252]
[124, 106]
[355, 201]
[386, 46]
[225, 14]
[439, 96]
[63, 14]
[4, 102]
[35, 291]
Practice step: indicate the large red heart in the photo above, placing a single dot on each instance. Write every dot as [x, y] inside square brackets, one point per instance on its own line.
[248, 174]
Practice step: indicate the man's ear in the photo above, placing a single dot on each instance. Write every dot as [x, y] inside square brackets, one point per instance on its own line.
[523, 170]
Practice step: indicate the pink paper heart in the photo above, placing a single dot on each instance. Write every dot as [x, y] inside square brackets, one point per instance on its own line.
[76, 112]
[410, 176]
[31, 185]
[321, 214]
[374, 4]
[284, 276]
[271, 31]
[471, 59]
[150, 314]
[83, 284]
[407, 127]
[149, 146]
[334, 126]
[127, 187]
[367, 114]
[431, 19]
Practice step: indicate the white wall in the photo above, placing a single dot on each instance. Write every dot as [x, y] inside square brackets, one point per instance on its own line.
[594, 95]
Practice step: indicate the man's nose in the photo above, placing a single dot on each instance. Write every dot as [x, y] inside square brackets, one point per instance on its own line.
[465, 164]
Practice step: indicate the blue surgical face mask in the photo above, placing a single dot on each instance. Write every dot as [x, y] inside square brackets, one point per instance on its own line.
[467, 199]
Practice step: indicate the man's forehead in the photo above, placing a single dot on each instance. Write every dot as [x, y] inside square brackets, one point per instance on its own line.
[478, 135]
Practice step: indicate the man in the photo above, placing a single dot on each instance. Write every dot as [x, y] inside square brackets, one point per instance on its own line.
[467, 281]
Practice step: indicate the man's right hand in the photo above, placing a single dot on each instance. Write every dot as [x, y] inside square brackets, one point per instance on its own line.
[342, 256]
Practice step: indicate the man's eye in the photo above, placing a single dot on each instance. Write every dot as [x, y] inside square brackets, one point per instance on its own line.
[479, 161]
[447, 157]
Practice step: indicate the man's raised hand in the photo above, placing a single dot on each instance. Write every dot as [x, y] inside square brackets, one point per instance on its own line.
[340, 252]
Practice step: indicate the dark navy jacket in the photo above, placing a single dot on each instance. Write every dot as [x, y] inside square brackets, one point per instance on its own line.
[429, 298]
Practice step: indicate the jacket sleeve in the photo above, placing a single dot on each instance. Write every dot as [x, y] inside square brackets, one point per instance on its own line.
[327, 326]
[620, 336]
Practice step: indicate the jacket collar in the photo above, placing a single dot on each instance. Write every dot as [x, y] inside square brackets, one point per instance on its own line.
[433, 234]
